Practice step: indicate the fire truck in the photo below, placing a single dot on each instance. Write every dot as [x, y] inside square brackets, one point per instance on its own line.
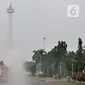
[3, 72]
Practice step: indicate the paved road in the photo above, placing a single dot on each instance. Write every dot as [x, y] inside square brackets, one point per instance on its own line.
[26, 80]
[16, 77]
[37, 81]
[16, 74]
[32, 80]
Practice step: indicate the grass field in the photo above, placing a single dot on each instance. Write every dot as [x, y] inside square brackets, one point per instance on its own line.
[71, 83]
[60, 82]
[47, 79]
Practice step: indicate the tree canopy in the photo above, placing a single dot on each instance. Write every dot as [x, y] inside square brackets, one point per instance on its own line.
[59, 53]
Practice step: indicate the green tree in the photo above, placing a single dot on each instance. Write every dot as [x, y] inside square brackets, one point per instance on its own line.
[56, 55]
[60, 51]
[33, 68]
[69, 60]
[30, 67]
[39, 57]
[79, 56]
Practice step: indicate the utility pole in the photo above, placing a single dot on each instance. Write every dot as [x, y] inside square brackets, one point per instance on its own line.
[60, 69]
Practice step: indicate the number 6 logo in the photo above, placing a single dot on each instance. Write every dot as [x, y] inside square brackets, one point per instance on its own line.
[73, 11]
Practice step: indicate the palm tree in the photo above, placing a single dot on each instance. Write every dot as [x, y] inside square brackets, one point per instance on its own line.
[38, 57]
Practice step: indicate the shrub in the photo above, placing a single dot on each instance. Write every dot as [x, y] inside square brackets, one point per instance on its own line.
[42, 75]
[74, 76]
[80, 77]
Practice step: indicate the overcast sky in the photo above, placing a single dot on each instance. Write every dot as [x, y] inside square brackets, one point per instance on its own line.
[35, 19]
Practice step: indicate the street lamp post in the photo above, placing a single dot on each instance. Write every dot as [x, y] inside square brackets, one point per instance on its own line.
[40, 62]
[44, 43]
[44, 50]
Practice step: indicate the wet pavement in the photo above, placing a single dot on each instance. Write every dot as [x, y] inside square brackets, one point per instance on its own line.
[37, 81]
[26, 80]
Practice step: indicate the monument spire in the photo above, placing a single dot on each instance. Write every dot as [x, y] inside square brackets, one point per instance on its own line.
[10, 12]
[10, 9]
[10, 6]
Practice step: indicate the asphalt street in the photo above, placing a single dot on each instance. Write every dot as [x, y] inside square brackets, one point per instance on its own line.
[25, 80]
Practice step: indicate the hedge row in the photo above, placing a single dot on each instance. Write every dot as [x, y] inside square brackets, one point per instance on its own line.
[79, 77]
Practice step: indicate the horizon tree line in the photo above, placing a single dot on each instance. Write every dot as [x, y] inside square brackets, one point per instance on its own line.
[49, 62]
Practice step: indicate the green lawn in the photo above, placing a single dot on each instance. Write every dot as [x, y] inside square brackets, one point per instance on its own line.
[71, 83]
[60, 82]
[47, 79]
